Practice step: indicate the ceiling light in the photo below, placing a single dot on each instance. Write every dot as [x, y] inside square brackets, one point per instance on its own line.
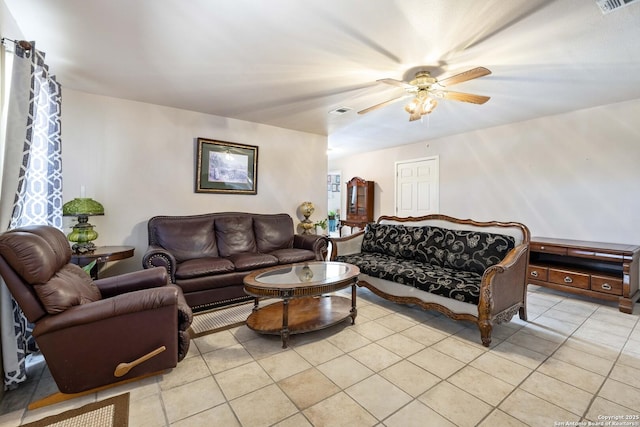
[420, 105]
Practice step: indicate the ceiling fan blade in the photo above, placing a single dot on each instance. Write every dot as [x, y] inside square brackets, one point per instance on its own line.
[465, 97]
[383, 104]
[463, 77]
[394, 82]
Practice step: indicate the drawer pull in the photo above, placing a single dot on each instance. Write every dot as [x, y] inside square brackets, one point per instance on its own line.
[534, 273]
[568, 279]
[542, 248]
[606, 286]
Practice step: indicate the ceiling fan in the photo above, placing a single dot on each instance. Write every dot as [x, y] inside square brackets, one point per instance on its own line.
[426, 90]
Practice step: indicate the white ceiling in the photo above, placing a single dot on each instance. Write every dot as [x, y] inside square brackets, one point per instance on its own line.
[288, 63]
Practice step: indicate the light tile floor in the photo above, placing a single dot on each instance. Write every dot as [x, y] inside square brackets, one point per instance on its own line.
[575, 360]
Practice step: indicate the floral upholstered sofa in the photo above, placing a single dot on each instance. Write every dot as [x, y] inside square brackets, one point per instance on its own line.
[465, 269]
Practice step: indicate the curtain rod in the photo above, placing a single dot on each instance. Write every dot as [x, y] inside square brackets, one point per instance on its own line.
[22, 43]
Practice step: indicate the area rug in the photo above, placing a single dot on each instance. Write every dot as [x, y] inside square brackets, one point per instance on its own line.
[209, 322]
[112, 412]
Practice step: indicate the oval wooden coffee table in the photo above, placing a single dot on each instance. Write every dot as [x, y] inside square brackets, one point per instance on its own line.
[305, 307]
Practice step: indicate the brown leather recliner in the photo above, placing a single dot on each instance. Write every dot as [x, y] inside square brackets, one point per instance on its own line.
[93, 333]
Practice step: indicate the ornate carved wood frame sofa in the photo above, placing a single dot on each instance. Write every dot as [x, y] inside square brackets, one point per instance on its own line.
[465, 269]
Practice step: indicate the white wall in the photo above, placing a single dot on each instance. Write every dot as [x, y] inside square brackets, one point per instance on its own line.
[8, 26]
[138, 160]
[574, 175]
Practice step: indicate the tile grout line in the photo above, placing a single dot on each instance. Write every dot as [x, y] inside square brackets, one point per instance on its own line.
[517, 387]
[613, 366]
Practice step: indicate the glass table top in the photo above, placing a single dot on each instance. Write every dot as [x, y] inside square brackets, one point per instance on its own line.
[317, 271]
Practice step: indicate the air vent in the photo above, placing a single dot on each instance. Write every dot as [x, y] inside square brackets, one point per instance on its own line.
[340, 110]
[608, 6]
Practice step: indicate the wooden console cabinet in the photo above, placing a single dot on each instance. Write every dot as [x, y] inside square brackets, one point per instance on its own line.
[359, 202]
[606, 271]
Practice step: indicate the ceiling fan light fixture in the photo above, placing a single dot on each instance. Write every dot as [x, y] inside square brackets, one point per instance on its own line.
[412, 106]
[428, 106]
[426, 90]
[420, 105]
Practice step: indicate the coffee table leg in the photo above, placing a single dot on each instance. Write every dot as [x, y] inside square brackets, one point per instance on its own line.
[354, 310]
[284, 333]
[256, 301]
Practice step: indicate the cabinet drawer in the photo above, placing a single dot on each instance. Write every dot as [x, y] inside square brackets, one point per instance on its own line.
[569, 278]
[550, 249]
[537, 272]
[609, 285]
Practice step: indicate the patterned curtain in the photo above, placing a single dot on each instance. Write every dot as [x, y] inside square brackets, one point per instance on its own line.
[33, 128]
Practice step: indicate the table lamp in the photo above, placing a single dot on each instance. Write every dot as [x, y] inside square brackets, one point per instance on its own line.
[307, 209]
[83, 232]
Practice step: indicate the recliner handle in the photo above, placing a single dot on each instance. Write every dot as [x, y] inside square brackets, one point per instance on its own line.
[123, 368]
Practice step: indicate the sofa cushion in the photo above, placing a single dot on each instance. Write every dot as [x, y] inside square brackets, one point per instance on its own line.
[187, 238]
[18, 248]
[293, 255]
[409, 242]
[252, 260]
[473, 250]
[235, 235]
[415, 239]
[70, 286]
[385, 239]
[199, 267]
[447, 282]
[460, 285]
[273, 232]
[59, 285]
[430, 249]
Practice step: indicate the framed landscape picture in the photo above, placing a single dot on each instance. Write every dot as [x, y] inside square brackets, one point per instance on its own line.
[226, 167]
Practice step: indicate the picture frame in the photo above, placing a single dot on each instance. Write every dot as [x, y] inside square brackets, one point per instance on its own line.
[226, 167]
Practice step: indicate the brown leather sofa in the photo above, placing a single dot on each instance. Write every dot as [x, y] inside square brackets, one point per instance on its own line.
[209, 255]
[93, 333]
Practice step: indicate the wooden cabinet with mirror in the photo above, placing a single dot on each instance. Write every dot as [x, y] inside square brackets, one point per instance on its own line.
[359, 202]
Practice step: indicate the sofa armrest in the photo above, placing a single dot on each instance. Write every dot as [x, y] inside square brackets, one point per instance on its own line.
[505, 284]
[85, 344]
[105, 309]
[157, 256]
[134, 281]
[312, 242]
[346, 245]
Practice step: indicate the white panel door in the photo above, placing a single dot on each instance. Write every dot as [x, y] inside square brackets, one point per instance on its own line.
[417, 187]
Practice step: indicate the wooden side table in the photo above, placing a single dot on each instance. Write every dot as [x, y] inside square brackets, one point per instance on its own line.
[102, 255]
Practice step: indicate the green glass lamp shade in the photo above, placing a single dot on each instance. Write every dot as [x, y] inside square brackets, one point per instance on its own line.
[82, 206]
[83, 233]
